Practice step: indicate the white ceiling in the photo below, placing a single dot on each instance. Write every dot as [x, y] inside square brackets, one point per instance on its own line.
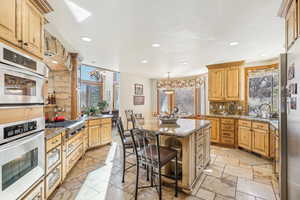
[197, 32]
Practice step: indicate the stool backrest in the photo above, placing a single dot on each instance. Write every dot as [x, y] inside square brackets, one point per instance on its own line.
[121, 130]
[146, 146]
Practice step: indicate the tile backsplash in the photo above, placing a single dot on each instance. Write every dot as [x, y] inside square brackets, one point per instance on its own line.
[232, 108]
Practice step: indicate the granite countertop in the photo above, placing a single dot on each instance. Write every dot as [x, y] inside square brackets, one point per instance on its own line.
[273, 122]
[52, 132]
[98, 117]
[183, 128]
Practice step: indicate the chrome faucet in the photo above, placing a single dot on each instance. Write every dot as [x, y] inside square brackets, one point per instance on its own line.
[265, 113]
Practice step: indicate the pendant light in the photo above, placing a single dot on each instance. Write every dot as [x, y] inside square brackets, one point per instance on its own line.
[168, 90]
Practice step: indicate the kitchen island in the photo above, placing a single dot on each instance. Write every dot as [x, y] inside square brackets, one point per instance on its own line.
[191, 139]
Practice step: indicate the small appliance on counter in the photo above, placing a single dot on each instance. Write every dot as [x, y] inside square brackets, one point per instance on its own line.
[171, 118]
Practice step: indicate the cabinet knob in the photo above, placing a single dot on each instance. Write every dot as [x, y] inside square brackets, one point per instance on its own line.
[25, 43]
[20, 41]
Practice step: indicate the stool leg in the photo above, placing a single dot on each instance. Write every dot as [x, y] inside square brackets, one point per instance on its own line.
[151, 176]
[147, 172]
[124, 163]
[176, 178]
[137, 180]
[159, 184]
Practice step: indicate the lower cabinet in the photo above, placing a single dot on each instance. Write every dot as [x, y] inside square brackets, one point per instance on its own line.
[94, 136]
[215, 124]
[53, 179]
[74, 157]
[37, 193]
[105, 132]
[99, 132]
[244, 137]
[260, 142]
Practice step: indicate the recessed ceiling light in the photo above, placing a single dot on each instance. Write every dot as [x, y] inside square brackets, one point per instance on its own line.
[86, 39]
[93, 61]
[233, 43]
[54, 62]
[144, 61]
[155, 45]
[263, 55]
[184, 63]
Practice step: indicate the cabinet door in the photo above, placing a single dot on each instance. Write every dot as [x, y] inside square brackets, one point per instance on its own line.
[272, 143]
[232, 84]
[215, 135]
[53, 179]
[94, 136]
[260, 142]
[106, 136]
[291, 24]
[244, 137]
[216, 84]
[10, 20]
[33, 29]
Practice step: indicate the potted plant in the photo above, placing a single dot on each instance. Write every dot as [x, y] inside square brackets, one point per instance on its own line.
[102, 106]
[90, 111]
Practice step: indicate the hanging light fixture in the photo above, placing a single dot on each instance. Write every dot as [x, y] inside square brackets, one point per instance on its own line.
[169, 90]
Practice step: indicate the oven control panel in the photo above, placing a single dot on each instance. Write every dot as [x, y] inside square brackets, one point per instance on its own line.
[19, 129]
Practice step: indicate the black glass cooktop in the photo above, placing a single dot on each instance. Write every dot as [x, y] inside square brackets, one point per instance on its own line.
[60, 124]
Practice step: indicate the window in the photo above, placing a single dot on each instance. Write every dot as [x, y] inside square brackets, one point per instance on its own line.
[91, 86]
[164, 103]
[185, 100]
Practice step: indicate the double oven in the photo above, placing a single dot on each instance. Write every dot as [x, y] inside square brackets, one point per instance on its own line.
[22, 123]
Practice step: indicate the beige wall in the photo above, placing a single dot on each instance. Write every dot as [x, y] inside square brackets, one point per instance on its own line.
[127, 81]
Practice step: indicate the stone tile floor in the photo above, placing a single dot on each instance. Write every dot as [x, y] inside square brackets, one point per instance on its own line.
[232, 174]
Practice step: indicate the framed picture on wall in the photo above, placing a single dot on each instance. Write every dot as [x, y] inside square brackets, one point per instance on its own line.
[138, 100]
[138, 89]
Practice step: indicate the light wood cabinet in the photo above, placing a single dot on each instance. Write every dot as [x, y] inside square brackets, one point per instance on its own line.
[215, 132]
[52, 180]
[245, 137]
[216, 79]
[99, 132]
[105, 131]
[37, 193]
[232, 91]
[291, 24]
[224, 81]
[260, 142]
[227, 131]
[32, 29]
[10, 17]
[94, 136]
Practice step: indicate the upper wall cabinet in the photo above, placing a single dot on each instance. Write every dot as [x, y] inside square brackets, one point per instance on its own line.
[10, 21]
[224, 81]
[32, 29]
[22, 24]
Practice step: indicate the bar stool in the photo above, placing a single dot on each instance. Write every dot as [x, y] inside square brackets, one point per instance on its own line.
[149, 152]
[127, 144]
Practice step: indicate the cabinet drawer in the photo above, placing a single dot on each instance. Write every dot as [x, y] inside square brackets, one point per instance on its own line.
[245, 123]
[74, 142]
[36, 193]
[259, 125]
[53, 180]
[74, 157]
[227, 134]
[227, 121]
[227, 127]
[53, 142]
[94, 122]
[53, 158]
[105, 120]
[226, 140]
